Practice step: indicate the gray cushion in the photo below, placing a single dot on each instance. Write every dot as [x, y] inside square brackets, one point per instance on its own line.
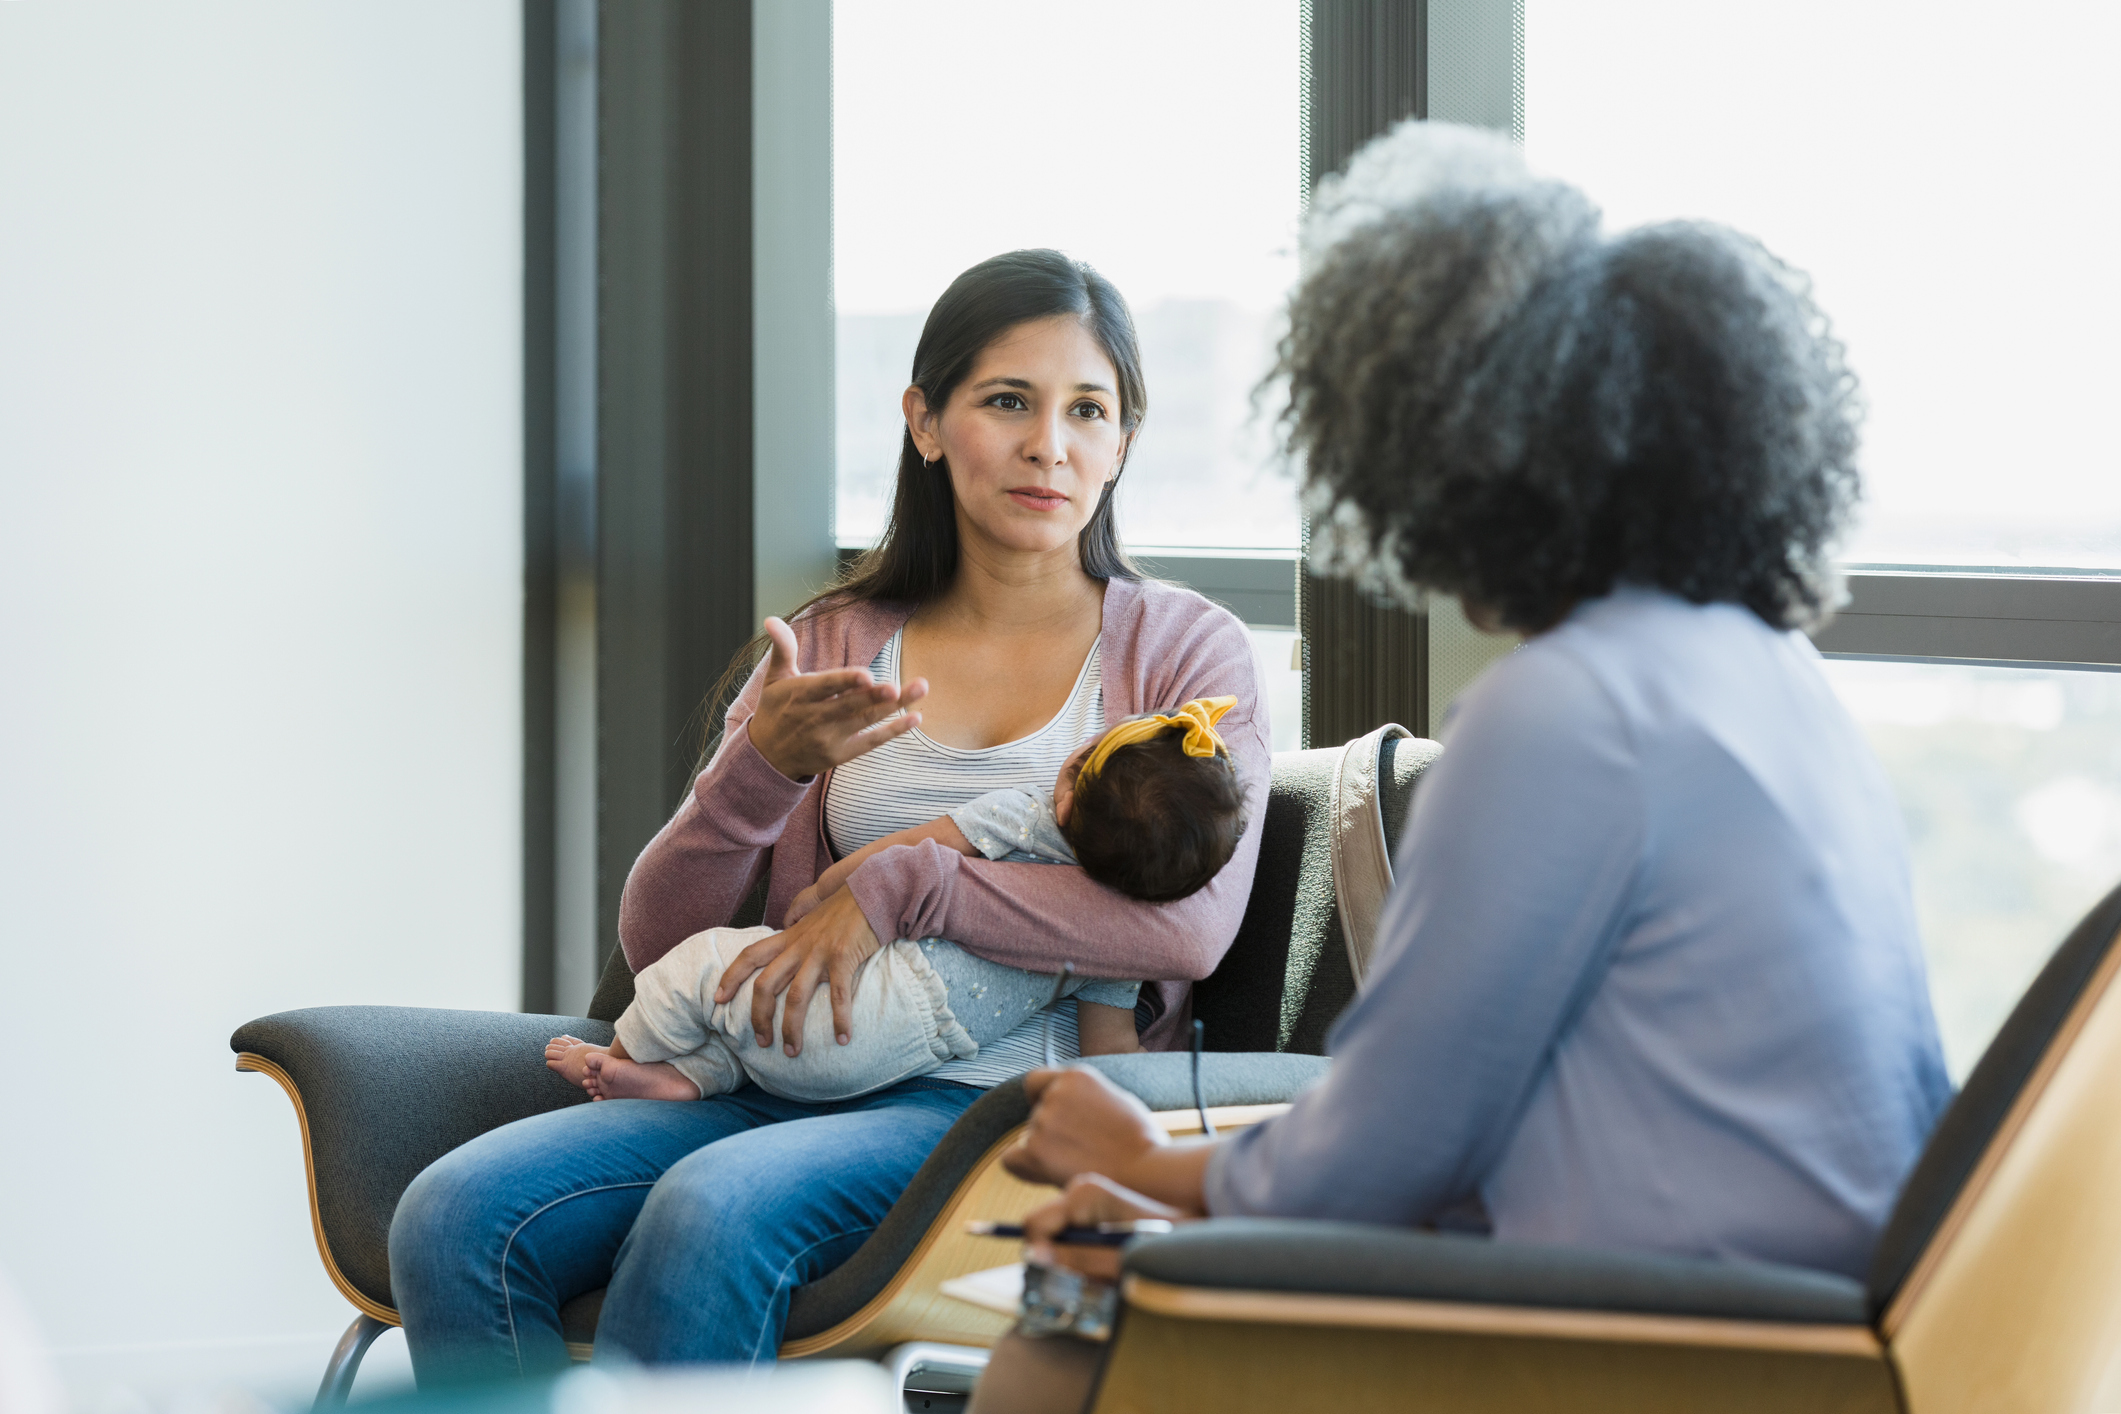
[614, 991]
[1357, 1259]
[1286, 978]
[388, 1090]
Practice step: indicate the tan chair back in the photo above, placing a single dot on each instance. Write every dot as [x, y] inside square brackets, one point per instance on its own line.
[2014, 1304]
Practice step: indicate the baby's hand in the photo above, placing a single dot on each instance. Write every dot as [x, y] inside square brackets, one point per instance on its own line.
[802, 904]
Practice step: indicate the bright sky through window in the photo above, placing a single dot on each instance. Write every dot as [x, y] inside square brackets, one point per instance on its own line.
[1156, 139]
[1946, 174]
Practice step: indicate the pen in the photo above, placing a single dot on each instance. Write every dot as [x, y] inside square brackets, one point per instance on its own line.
[1103, 1235]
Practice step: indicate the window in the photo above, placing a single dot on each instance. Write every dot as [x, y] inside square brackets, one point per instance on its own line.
[1162, 149]
[1943, 172]
[2010, 783]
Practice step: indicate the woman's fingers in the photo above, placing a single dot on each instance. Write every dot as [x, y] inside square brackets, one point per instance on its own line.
[833, 937]
[1080, 1123]
[828, 687]
[807, 974]
[766, 992]
[1089, 1199]
[839, 975]
[752, 959]
[780, 650]
[873, 737]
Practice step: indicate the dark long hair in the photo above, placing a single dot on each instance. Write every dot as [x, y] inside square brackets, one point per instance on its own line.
[917, 557]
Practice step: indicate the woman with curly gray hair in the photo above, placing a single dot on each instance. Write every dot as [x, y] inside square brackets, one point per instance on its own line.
[1650, 977]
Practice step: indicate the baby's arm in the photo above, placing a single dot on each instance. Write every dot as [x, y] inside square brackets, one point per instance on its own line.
[943, 830]
[1105, 1030]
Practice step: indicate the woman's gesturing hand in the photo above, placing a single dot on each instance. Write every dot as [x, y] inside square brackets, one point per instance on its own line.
[810, 722]
[827, 944]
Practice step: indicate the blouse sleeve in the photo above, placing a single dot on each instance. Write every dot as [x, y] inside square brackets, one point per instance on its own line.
[700, 867]
[1524, 843]
[1038, 916]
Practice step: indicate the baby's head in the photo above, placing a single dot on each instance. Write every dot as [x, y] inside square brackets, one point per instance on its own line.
[1153, 808]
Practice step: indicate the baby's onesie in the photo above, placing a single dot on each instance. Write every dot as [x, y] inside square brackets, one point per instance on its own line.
[916, 1004]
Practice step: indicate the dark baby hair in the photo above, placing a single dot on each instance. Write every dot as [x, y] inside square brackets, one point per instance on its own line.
[1155, 823]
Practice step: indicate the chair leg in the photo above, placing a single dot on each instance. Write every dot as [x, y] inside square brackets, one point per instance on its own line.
[346, 1361]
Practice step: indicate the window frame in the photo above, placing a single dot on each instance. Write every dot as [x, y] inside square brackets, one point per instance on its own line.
[680, 509]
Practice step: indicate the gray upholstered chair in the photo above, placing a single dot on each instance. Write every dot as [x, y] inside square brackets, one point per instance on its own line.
[1996, 1285]
[361, 1079]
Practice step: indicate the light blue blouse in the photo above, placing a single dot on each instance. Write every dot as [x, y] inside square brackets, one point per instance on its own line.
[1650, 977]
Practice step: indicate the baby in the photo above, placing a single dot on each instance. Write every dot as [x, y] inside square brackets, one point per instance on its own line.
[1151, 808]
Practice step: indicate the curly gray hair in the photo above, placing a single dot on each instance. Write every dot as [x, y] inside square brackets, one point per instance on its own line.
[1491, 398]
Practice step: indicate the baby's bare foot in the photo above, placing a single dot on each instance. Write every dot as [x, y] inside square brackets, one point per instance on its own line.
[569, 1055]
[613, 1079]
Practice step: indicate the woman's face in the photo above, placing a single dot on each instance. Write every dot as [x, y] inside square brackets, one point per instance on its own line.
[1030, 437]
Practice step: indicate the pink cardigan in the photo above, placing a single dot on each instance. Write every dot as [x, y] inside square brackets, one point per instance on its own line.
[1162, 645]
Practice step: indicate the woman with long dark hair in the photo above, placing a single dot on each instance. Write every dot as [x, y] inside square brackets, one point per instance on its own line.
[996, 626]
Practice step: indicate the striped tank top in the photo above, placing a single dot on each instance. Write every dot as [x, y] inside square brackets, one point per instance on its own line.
[911, 780]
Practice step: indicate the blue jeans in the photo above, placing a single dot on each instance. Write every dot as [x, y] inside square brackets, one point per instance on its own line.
[700, 1217]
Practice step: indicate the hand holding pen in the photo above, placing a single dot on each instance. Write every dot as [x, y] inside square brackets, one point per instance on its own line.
[1110, 1234]
[1084, 1228]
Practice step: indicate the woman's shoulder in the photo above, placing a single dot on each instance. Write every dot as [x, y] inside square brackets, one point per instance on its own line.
[1164, 643]
[1160, 616]
[1660, 654]
[1665, 675]
[846, 632]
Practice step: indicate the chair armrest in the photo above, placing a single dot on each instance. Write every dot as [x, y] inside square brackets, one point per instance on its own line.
[1161, 1080]
[382, 1092]
[1359, 1259]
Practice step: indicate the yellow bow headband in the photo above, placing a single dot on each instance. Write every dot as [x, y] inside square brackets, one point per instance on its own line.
[1197, 719]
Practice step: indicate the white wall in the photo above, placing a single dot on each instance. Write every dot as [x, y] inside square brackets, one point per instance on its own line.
[260, 527]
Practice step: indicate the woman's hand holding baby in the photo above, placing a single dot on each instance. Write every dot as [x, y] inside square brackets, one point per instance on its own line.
[828, 944]
[807, 723]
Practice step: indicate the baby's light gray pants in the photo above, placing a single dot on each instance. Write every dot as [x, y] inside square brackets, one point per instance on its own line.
[916, 1005]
